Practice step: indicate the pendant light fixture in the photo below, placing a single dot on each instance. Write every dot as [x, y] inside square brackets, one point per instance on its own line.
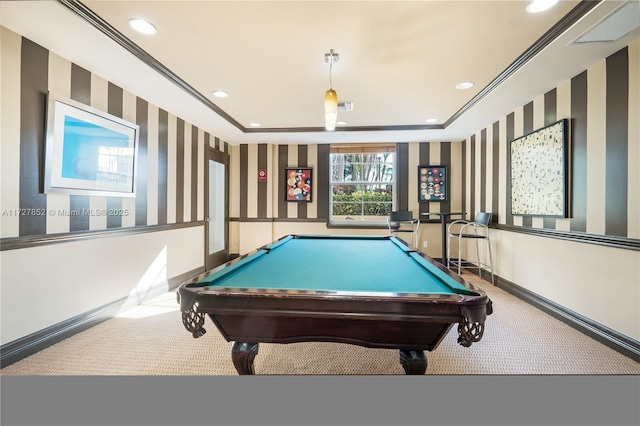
[330, 97]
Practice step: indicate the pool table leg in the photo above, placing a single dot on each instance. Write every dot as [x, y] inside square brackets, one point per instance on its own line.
[243, 355]
[413, 362]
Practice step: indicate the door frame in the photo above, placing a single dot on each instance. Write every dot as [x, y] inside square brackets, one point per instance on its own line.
[220, 257]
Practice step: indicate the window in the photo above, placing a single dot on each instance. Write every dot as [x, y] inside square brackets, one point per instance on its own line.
[362, 183]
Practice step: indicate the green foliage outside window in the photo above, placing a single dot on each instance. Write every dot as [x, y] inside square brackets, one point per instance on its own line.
[367, 203]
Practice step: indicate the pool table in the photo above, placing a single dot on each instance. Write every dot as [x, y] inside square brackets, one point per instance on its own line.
[372, 291]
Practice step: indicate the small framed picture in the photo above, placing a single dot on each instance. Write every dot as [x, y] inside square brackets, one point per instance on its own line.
[433, 184]
[299, 186]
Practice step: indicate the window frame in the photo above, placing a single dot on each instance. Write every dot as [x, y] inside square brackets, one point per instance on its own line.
[361, 149]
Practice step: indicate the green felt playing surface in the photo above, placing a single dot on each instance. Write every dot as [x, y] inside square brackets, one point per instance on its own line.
[322, 263]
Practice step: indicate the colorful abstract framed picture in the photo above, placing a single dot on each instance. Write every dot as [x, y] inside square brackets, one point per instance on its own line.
[88, 151]
[538, 165]
[299, 186]
[433, 184]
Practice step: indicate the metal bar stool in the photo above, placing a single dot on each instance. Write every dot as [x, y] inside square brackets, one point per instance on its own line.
[477, 230]
[403, 221]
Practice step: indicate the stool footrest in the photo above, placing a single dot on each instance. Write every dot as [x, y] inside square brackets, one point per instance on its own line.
[468, 264]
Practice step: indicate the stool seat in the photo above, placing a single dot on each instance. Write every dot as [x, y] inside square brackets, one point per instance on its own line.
[475, 230]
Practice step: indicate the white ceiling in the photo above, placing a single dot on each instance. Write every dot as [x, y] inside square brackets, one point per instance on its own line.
[398, 61]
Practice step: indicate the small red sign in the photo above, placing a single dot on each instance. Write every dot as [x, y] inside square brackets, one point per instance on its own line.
[262, 175]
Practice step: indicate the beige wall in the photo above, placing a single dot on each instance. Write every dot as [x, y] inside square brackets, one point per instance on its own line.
[598, 282]
[43, 286]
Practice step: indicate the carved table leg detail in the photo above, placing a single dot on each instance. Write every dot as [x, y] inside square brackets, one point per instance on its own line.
[243, 355]
[413, 362]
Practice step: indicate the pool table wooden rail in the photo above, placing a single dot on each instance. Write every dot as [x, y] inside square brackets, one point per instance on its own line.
[409, 322]
[381, 322]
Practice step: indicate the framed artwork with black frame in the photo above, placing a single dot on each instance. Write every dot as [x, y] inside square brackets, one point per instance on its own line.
[299, 184]
[433, 184]
[539, 167]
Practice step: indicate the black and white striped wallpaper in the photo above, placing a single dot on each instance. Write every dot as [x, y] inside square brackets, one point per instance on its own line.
[602, 104]
[170, 174]
[265, 201]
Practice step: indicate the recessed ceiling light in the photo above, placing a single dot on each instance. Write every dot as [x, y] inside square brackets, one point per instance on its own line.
[341, 123]
[254, 124]
[431, 120]
[464, 85]
[540, 5]
[142, 26]
[220, 94]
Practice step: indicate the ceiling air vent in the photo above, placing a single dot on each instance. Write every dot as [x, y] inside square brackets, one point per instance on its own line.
[618, 23]
[345, 106]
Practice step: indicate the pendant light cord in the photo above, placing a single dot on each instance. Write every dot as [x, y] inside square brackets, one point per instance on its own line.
[330, 66]
[330, 83]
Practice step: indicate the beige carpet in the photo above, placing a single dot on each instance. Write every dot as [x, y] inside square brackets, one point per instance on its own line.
[151, 340]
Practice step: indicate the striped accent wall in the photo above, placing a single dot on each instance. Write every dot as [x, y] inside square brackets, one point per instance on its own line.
[616, 151]
[170, 168]
[259, 213]
[550, 116]
[33, 85]
[253, 201]
[495, 171]
[602, 104]
[472, 185]
[438, 154]
[402, 177]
